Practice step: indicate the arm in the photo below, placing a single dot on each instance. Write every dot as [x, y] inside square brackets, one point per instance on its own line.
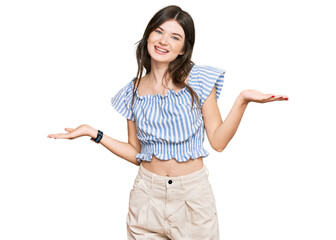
[124, 150]
[220, 133]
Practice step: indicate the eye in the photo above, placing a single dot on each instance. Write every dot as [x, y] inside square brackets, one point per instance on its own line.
[158, 31]
[175, 38]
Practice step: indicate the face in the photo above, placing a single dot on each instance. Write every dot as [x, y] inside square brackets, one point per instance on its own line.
[166, 42]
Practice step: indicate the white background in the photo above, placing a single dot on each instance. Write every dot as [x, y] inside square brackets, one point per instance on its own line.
[62, 61]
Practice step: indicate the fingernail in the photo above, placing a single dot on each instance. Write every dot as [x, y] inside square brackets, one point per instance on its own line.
[273, 96]
[286, 98]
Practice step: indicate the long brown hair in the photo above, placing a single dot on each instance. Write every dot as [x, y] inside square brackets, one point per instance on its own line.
[178, 69]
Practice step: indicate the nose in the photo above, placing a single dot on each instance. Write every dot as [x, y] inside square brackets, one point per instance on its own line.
[163, 41]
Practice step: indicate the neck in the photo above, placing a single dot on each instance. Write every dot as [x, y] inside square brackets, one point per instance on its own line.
[157, 72]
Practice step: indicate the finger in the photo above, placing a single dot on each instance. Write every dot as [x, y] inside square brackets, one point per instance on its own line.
[268, 98]
[69, 129]
[280, 98]
[271, 98]
[52, 135]
[283, 97]
[60, 136]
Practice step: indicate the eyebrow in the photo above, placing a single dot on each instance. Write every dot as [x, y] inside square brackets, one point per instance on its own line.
[172, 33]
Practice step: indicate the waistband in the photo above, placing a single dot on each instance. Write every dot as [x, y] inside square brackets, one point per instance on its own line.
[170, 182]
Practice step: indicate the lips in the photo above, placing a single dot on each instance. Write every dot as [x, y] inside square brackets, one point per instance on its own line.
[160, 50]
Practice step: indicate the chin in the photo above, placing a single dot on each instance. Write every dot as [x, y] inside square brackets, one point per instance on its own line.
[162, 59]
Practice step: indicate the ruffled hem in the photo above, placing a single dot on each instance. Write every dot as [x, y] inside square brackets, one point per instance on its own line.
[208, 78]
[193, 155]
[121, 102]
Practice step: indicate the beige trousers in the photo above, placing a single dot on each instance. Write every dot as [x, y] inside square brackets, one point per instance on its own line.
[177, 208]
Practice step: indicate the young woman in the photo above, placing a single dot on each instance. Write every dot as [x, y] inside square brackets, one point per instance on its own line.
[168, 110]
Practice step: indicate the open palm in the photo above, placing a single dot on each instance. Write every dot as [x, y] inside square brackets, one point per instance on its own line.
[259, 97]
[82, 130]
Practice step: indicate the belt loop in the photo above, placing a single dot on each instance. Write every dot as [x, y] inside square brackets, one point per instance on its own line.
[181, 181]
[206, 171]
[152, 180]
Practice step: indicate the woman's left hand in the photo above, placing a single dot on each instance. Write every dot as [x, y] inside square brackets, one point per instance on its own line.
[247, 96]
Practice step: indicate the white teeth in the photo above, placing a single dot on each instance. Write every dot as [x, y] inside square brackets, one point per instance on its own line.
[161, 50]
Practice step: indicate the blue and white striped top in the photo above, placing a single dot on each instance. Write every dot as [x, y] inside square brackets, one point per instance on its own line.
[166, 125]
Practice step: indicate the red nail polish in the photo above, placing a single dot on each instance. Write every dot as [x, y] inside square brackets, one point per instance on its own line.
[273, 96]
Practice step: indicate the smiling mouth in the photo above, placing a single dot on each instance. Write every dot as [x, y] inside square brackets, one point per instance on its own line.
[160, 50]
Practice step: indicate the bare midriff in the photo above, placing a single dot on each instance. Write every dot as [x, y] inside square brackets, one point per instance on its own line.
[173, 168]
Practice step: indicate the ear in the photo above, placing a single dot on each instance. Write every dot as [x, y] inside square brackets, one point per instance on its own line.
[181, 53]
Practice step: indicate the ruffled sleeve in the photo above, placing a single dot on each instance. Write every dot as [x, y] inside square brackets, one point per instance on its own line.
[206, 78]
[122, 101]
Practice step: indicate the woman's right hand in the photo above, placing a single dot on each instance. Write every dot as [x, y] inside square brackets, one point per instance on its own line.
[82, 130]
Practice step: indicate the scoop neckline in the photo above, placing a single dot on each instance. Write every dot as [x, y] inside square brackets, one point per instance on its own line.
[170, 90]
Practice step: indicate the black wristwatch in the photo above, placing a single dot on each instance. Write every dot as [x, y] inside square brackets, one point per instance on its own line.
[99, 137]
